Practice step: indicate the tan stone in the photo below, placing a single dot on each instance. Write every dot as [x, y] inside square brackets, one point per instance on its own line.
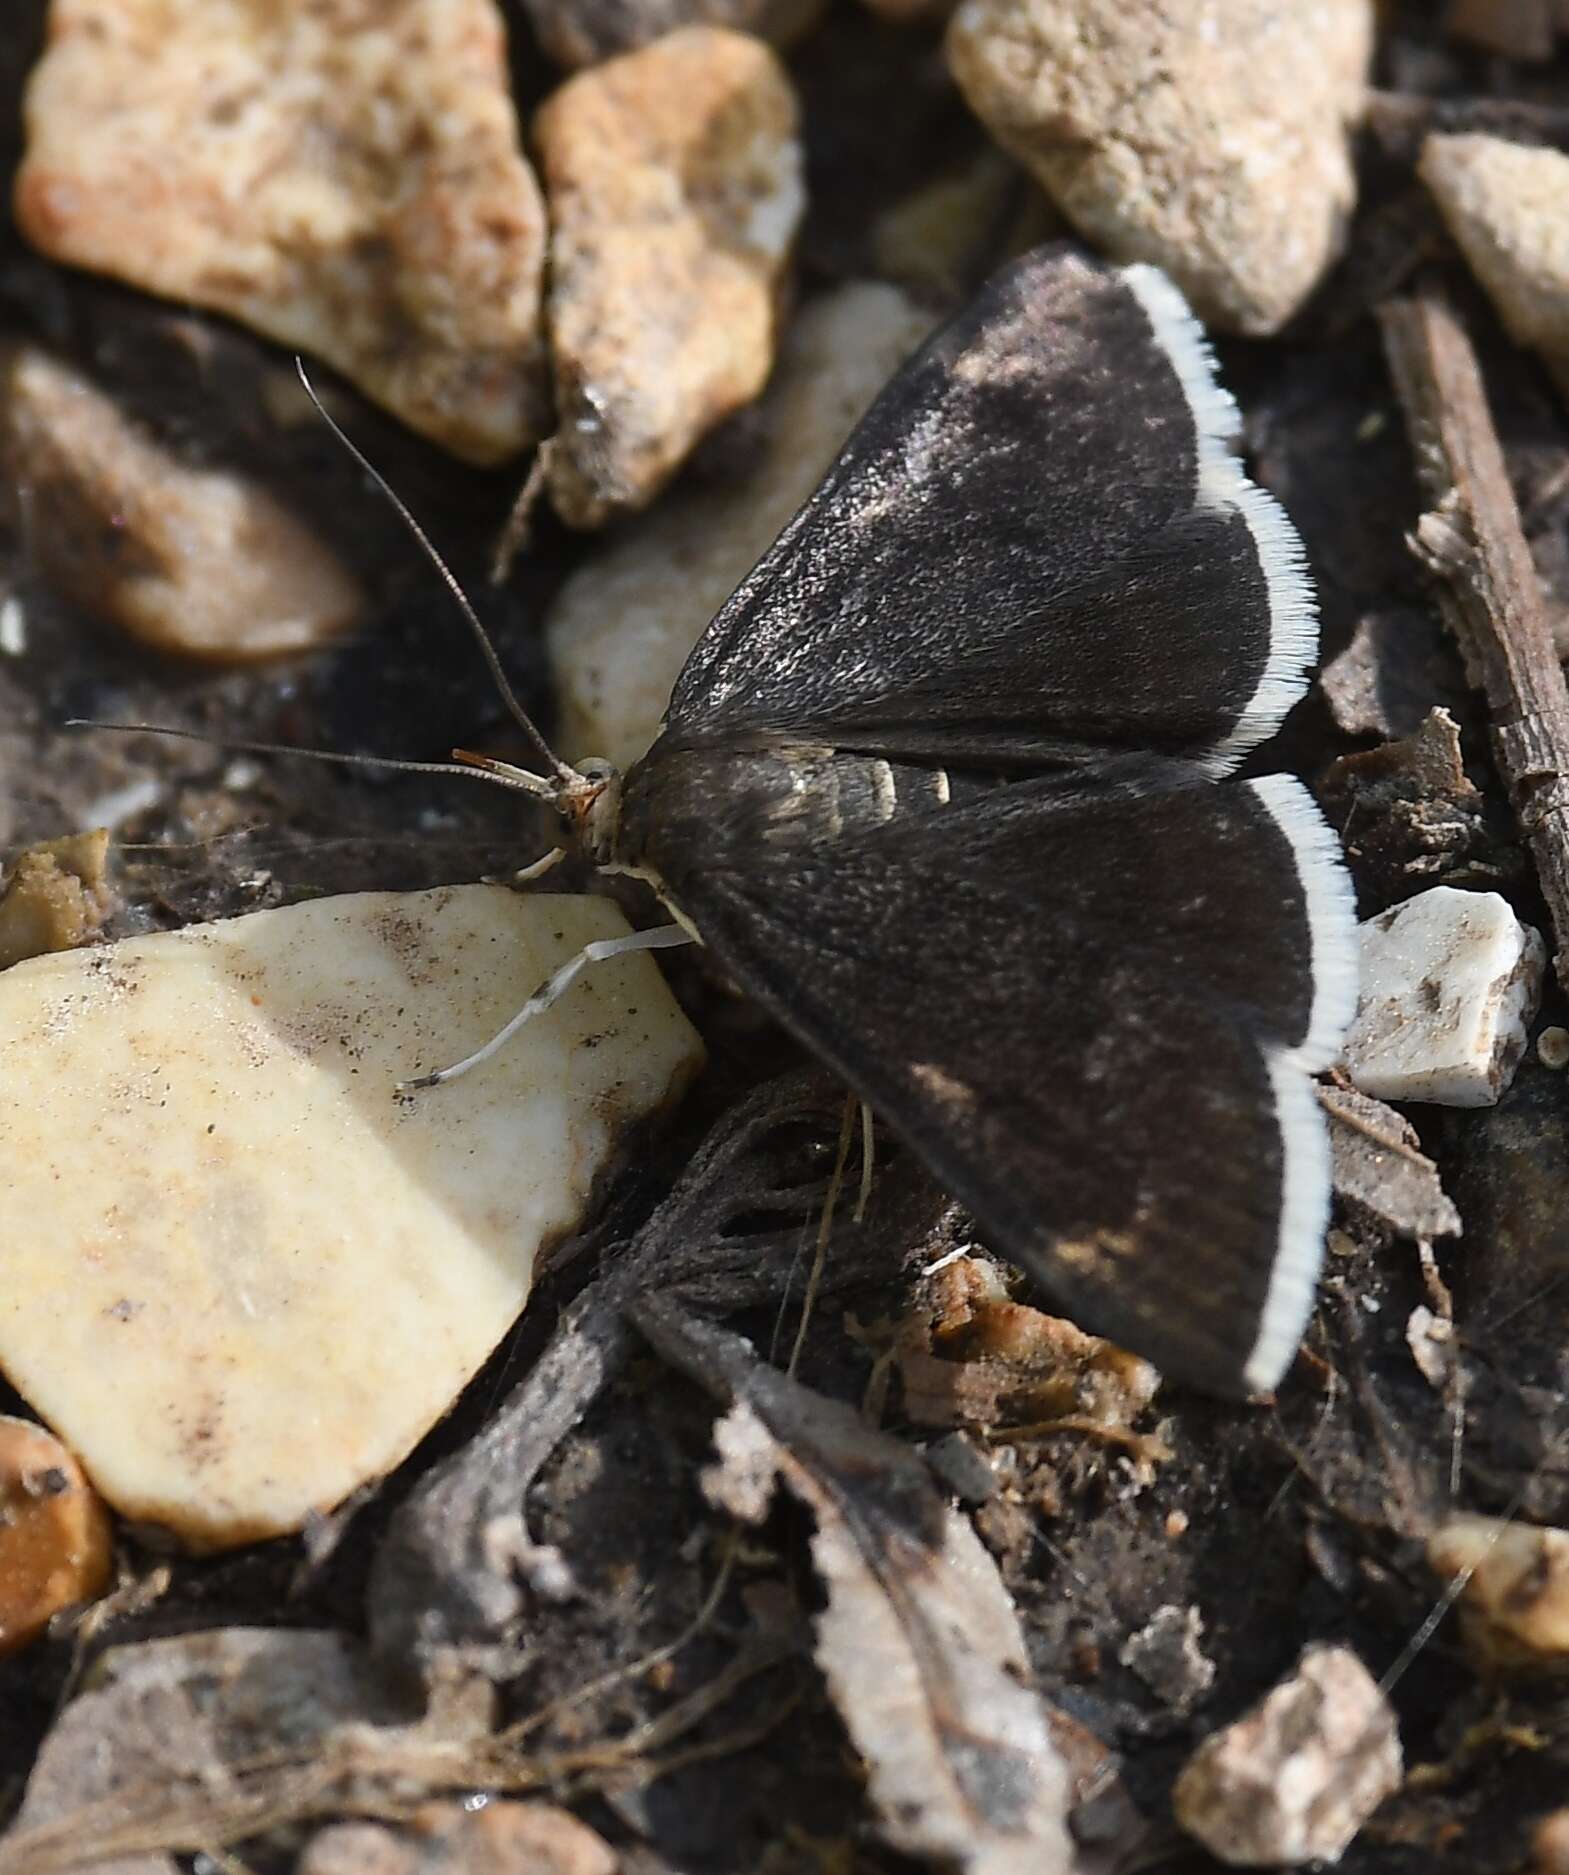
[1207, 136]
[241, 1276]
[1514, 1606]
[344, 176]
[623, 625]
[55, 1547]
[1507, 205]
[501, 1839]
[56, 896]
[197, 562]
[674, 182]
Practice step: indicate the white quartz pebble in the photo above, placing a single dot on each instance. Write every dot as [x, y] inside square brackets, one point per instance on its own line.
[1450, 982]
[242, 1277]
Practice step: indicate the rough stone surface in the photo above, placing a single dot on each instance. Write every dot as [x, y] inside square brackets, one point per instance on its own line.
[500, 1839]
[252, 1277]
[622, 626]
[1514, 1610]
[55, 895]
[1294, 1779]
[1507, 205]
[582, 32]
[674, 182]
[345, 177]
[55, 1546]
[1450, 983]
[195, 562]
[1209, 138]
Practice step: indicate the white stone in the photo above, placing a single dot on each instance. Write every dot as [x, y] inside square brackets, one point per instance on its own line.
[1450, 982]
[623, 625]
[241, 1277]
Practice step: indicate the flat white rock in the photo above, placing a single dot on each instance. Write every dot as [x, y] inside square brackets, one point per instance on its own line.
[1450, 982]
[241, 1276]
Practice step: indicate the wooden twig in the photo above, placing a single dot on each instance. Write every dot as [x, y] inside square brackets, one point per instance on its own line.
[1472, 539]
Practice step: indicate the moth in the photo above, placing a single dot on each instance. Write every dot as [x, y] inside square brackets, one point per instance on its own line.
[948, 786]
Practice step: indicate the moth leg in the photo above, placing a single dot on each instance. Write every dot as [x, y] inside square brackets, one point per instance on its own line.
[526, 875]
[662, 937]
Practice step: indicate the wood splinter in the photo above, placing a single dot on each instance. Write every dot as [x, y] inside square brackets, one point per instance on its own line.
[1472, 539]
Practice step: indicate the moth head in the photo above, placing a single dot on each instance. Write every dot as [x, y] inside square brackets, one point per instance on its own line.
[591, 805]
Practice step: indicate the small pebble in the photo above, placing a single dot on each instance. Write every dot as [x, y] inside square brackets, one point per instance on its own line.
[1505, 204]
[55, 896]
[55, 1544]
[1514, 1610]
[346, 180]
[1450, 984]
[1167, 1654]
[1210, 138]
[1550, 1845]
[674, 182]
[196, 562]
[623, 624]
[582, 32]
[253, 1277]
[1552, 1048]
[1293, 1780]
[501, 1838]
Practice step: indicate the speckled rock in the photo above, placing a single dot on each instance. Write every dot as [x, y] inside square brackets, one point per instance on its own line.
[1450, 981]
[623, 625]
[344, 177]
[1293, 1780]
[253, 1277]
[195, 562]
[582, 32]
[1507, 206]
[673, 177]
[1207, 136]
[55, 1546]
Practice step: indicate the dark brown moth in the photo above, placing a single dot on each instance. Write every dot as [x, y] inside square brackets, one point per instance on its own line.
[947, 786]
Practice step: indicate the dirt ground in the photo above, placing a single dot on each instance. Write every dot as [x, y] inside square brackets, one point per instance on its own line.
[1283, 1524]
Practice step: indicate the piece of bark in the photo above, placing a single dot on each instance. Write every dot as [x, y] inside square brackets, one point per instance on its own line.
[1472, 539]
[1380, 1172]
[456, 1563]
[919, 1641]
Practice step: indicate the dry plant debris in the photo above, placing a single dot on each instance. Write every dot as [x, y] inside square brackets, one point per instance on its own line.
[1381, 1173]
[285, 1274]
[1471, 539]
[196, 562]
[623, 624]
[1450, 986]
[457, 1565]
[55, 896]
[919, 1641]
[1169, 133]
[344, 178]
[1504, 203]
[56, 1548]
[1514, 1603]
[673, 177]
[1295, 1779]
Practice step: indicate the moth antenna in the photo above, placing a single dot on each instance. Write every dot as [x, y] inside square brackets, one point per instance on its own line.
[519, 780]
[563, 770]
